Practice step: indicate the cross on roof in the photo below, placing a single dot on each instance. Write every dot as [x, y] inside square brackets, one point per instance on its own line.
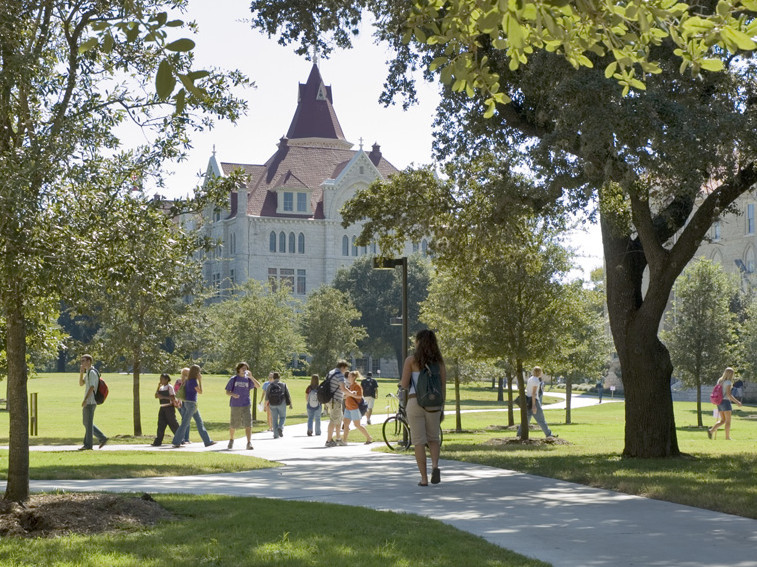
[361, 142]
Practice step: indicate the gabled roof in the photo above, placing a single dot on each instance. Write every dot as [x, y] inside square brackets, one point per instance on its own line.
[315, 116]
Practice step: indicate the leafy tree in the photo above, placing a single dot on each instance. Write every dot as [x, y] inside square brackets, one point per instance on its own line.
[328, 329]
[257, 325]
[643, 159]
[626, 32]
[140, 302]
[585, 347]
[71, 74]
[377, 295]
[701, 336]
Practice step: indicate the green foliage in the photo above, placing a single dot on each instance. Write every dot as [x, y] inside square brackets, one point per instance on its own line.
[377, 295]
[329, 329]
[701, 336]
[257, 325]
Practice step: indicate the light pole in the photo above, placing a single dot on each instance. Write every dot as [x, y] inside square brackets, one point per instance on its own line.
[390, 264]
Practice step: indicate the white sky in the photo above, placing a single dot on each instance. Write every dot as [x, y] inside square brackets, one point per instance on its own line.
[356, 77]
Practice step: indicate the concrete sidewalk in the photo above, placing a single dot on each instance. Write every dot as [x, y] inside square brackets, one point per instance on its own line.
[558, 522]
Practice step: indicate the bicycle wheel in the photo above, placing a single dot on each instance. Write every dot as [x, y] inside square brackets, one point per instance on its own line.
[396, 434]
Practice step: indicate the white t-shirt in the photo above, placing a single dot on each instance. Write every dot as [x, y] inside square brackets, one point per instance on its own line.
[91, 380]
[533, 382]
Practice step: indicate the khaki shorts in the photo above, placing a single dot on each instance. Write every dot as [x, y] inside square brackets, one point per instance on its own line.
[424, 425]
[240, 417]
[370, 401]
[336, 415]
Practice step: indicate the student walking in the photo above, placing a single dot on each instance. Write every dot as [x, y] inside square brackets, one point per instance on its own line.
[193, 388]
[238, 389]
[167, 412]
[424, 425]
[352, 399]
[278, 398]
[313, 406]
[370, 393]
[181, 396]
[725, 406]
[90, 379]
[533, 403]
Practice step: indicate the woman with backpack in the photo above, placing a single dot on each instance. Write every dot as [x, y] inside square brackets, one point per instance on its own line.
[352, 399]
[313, 406]
[425, 423]
[724, 407]
[192, 388]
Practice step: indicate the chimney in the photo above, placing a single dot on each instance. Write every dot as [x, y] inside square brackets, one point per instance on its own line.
[375, 154]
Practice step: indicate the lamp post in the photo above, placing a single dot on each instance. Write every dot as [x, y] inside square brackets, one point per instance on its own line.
[390, 264]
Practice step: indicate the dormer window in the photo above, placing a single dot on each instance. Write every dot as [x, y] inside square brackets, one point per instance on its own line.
[293, 202]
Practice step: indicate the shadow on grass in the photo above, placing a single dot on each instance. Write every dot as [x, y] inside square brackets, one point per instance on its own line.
[224, 531]
[678, 480]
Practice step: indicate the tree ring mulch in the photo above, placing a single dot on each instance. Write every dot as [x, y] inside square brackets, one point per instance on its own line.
[52, 515]
[511, 441]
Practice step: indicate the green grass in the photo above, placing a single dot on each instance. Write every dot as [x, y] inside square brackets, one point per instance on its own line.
[226, 531]
[716, 475]
[62, 465]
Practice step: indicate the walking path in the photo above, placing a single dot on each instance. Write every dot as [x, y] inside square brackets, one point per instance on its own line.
[559, 522]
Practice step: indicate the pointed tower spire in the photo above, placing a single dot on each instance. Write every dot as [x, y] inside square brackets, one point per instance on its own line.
[315, 122]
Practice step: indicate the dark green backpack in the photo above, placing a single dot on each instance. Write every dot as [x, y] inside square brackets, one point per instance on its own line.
[428, 389]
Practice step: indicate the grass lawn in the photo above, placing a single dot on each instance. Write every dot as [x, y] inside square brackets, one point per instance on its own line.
[713, 474]
[226, 531]
[62, 465]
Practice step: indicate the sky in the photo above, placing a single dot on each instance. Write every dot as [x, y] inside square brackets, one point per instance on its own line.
[356, 76]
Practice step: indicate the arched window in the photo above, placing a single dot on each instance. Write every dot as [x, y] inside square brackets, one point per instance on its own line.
[301, 243]
[354, 248]
[282, 242]
[749, 260]
[292, 243]
[424, 246]
[272, 242]
[373, 248]
[345, 246]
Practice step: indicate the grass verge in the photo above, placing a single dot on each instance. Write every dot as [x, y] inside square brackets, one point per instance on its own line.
[63, 465]
[226, 531]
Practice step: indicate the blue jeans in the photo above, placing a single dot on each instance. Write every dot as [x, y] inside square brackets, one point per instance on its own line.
[182, 411]
[278, 417]
[88, 418]
[539, 416]
[190, 411]
[314, 415]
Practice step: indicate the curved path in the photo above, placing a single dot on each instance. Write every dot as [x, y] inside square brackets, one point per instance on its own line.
[559, 522]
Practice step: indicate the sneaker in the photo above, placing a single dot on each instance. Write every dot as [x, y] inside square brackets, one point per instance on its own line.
[249, 446]
[281, 433]
[310, 433]
[329, 443]
[210, 444]
[340, 443]
[102, 443]
[230, 445]
[185, 442]
[176, 446]
[153, 444]
[368, 421]
[84, 448]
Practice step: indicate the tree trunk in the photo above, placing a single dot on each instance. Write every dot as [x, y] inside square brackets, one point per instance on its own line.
[510, 412]
[135, 394]
[568, 396]
[501, 389]
[522, 394]
[700, 423]
[17, 488]
[644, 360]
[458, 416]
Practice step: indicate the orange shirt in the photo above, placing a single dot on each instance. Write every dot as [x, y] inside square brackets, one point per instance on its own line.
[351, 403]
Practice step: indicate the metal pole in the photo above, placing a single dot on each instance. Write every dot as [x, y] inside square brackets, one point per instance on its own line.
[404, 311]
[33, 415]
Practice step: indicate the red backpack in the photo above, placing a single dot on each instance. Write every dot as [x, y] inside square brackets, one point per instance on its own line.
[101, 392]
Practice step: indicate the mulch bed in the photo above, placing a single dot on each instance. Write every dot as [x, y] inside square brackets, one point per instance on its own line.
[51, 515]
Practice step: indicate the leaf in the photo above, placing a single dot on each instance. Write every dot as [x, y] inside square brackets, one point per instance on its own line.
[164, 80]
[714, 65]
[610, 69]
[184, 44]
[88, 45]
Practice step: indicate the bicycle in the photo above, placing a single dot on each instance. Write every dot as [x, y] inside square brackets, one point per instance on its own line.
[395, 430]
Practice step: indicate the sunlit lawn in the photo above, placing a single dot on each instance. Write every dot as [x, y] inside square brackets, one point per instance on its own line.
[226, 531]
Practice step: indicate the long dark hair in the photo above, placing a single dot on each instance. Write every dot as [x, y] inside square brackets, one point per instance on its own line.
[194, 372]
[427, 349]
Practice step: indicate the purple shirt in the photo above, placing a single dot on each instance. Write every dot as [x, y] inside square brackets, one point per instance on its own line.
[240, 385]
[191, 390]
